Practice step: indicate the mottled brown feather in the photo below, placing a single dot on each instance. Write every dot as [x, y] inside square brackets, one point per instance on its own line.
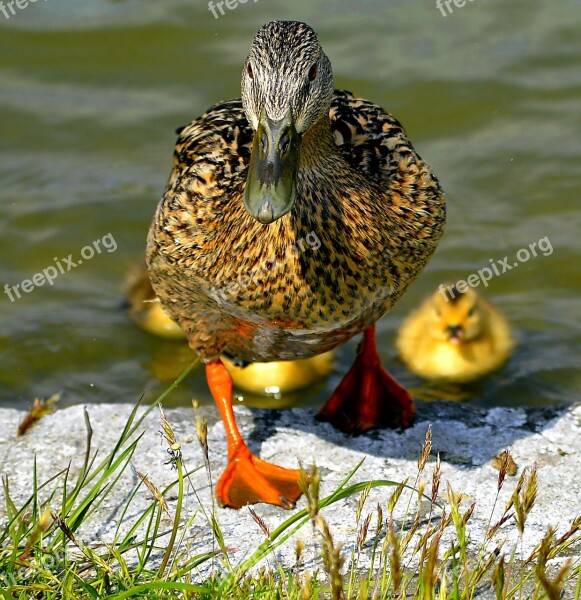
[363, 193]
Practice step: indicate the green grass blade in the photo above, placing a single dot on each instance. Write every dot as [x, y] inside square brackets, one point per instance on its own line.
[302, 516]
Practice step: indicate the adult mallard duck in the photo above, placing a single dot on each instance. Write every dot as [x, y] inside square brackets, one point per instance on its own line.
[293, 219]
[454, 336]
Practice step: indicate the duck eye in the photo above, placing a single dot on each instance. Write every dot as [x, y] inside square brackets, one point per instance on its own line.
[313, 72]
[472, 311]
[249, 71]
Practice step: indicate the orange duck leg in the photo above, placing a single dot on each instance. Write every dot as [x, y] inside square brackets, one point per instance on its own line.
[368, 396]
[247, 479]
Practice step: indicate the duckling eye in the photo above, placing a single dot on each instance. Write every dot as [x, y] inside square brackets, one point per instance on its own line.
[249, 71]
[472, 311]
[313, 72]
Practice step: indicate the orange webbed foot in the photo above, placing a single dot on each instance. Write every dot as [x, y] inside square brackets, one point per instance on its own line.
[368, 396]
[248, 479]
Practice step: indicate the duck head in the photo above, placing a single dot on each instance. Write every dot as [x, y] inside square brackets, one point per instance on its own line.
[287, 85]
[458, 317]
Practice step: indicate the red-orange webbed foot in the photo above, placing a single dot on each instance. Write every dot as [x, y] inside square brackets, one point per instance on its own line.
[247, 479]
[368, 396]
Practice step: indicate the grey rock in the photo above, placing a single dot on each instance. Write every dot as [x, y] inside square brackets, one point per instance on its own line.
[466, 437]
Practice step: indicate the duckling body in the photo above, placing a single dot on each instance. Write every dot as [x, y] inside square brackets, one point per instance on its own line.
[228, 250]
[455, 339]
[280, 377]
[146, 309]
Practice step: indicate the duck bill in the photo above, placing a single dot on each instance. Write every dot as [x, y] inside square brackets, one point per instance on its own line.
[271, 185]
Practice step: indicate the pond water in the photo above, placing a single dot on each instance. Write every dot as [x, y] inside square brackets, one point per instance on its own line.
[91, 92]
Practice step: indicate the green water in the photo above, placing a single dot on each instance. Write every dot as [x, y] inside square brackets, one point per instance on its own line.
[91, 92]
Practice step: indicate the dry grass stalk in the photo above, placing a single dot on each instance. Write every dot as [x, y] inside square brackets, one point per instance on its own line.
[154, 490]
[332, 559]
[39, 409]
[260, 522]
[426, 449]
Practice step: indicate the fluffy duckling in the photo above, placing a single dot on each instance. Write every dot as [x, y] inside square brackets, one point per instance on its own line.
[281, 377]
[455, 337]
[146, 309]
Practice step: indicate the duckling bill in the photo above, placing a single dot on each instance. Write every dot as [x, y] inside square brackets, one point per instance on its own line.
[251, 177]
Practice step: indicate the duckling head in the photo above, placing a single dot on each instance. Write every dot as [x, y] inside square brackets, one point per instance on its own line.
[457, 317]
[287, 85]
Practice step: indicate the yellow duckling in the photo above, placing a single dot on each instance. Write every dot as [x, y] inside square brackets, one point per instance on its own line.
[145, 308]
[455, 337]
[279, 377]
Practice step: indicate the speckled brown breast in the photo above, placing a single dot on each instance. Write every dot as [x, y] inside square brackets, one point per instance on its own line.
[367, 218]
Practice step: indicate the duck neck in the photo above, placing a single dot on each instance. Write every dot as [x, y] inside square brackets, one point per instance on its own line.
[318, 147]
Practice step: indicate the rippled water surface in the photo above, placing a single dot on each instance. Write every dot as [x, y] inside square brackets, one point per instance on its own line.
[92, 90]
